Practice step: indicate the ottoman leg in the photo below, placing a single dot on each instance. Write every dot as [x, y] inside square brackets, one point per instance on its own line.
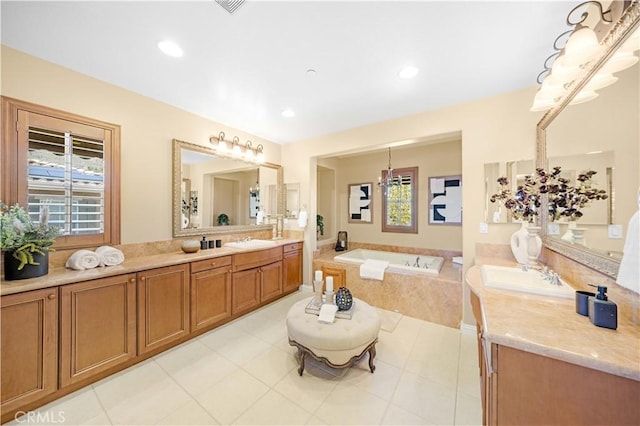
[372, 355]
[301, 368]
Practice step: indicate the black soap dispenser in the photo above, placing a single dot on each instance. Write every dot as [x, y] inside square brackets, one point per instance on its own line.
[203, 243]
[603, 312]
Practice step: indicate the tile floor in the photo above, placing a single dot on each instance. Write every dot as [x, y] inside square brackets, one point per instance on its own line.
[245, 373]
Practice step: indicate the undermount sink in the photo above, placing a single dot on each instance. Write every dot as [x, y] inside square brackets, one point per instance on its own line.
[251, 244]
[529, 281]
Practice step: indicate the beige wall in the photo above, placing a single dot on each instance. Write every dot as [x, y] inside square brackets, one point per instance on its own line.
[499, 128]
[148, 127]
[441, 159]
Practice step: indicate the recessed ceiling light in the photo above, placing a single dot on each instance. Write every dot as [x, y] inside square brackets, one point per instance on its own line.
[288, 113]
[170, 48]
[408, 72]
[311, 72]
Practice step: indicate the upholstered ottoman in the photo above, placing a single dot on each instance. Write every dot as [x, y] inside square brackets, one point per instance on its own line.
[339, 344]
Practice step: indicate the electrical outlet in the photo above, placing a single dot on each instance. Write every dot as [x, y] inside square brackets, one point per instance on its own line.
[614, 231]
[553, 229]
[484, 228]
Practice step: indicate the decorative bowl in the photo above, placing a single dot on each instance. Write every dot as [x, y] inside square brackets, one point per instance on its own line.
[190, 246]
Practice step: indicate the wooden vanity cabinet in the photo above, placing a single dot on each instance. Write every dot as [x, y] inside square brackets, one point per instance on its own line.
[257, 278]
[292, 267]
[29, 332]
[163, 306]
[210, 292]
[521, 387]
[97, 326]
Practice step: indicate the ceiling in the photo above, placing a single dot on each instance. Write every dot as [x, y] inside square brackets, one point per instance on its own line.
[243, 69]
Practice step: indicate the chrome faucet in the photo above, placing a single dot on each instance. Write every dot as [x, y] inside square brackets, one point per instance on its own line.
[417, 264]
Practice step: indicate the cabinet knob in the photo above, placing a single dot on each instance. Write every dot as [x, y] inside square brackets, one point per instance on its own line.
[142, 278]
[51, 296]
[132, 280]
[213, 263]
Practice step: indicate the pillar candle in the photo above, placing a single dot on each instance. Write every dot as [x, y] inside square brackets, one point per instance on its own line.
[329, 281]
[318, 275]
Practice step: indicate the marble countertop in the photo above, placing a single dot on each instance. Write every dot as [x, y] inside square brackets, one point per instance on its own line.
[60, 276]
[550, 327]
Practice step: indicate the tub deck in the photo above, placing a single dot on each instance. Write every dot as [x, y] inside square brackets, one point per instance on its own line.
[434, 298]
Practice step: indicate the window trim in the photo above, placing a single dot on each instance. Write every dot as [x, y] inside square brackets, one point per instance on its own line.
[14, 186]
[413, 228]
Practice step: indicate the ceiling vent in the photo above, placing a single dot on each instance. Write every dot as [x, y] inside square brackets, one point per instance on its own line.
[230, 5]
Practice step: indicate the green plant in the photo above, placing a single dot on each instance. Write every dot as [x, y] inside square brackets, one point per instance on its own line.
[223, 219]
[21, 237]
[320, 223]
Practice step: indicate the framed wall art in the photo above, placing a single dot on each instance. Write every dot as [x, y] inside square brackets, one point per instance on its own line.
[360, 202]
[445, 200]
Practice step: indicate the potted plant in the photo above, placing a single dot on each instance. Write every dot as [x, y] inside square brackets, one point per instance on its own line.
[25, 244]
[319, 225]
[223, 219]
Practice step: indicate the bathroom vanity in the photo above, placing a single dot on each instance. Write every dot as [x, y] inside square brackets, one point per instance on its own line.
[71, 328]
[542, 363]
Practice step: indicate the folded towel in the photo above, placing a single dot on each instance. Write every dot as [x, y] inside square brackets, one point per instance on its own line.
[373, 269]
[327, 313]
[109, 256]
[83, 259]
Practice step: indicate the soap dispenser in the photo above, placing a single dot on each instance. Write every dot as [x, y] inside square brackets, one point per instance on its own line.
[603, 312]
[203, 243]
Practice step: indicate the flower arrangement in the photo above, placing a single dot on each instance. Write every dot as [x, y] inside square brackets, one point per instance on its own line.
[21, 237]
[564, 200]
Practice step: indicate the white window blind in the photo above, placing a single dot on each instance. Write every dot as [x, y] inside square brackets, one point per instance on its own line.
[66, 172]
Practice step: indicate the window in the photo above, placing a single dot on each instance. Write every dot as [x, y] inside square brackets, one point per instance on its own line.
[399, 201]
[68, 163]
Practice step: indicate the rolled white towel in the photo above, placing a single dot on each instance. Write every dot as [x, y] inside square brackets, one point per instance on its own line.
[82, 259]
[109, 256]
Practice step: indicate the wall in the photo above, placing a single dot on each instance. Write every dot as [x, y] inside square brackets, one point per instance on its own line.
[148, 127]
[441, 159]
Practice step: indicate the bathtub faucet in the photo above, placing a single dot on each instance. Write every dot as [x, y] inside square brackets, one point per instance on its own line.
[417, 264]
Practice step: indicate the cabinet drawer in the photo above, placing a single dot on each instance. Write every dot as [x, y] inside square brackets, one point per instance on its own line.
[252, 259]
[291, 247]
[216, 262]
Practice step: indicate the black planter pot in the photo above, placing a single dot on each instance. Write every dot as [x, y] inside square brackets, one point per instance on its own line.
[11, 264]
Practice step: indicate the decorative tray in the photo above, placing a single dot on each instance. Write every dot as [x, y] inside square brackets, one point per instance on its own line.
[313, 307]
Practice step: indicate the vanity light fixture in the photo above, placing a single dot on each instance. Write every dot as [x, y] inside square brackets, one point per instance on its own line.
[388, 180]
[577, 56]
[248, 153]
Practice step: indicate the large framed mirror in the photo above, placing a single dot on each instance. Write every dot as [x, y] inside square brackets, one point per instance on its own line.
[603, 135]
[219, 195]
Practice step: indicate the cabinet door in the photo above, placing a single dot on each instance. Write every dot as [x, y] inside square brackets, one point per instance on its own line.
[163, 306]
[246, 290]
[271, 281]
[210, 297]
[29, 329]
[97, 326]
[292, 264]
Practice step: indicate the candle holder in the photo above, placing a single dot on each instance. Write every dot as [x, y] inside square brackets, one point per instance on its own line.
[328, 297]
[317, 289]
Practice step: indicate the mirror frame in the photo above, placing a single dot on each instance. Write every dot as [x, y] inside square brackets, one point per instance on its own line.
[629, 21]
[178, 231]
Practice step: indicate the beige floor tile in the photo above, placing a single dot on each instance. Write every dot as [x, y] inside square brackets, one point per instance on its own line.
[432, 401]
[394, 349]
[350, 405]
[468, 410]
[189, 414]
[99, 420]
[399, 416]
[271, 367]
[308, 391]
[274, 409]
[382, 382]
[230, 397]
[434, 359]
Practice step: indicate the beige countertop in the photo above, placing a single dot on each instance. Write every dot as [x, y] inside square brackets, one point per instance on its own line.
[550, 327]
[60, 276]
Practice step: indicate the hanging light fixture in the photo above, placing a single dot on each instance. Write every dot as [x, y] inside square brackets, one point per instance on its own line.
[387, 180]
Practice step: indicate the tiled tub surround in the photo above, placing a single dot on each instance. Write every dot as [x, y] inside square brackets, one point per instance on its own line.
[436, 299]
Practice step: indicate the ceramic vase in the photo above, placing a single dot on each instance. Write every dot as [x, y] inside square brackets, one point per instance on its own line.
[574, 234]
[344, 299]
[11, 264]
[526, 244]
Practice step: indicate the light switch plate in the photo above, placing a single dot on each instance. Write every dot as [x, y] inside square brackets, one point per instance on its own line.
[484, 228]
[615, 231]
